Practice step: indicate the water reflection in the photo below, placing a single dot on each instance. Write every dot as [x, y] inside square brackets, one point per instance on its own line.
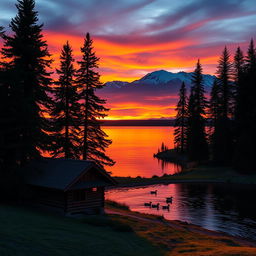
[216, 207]
[133, 148]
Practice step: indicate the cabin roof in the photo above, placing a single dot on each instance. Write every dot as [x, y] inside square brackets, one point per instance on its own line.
[63, 173]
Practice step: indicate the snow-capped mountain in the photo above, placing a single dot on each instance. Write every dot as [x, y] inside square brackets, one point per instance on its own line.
[155, 94]
[117, 84]
[162, 77]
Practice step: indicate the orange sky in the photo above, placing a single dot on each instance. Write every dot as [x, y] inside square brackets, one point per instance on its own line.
[122, 62]
[136, 37]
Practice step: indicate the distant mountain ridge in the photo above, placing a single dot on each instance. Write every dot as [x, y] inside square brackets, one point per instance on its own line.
[155, 95]
[161, 77]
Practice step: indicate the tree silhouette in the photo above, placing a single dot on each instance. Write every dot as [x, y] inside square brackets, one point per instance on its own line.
[222, 139]
[224, 72]
[244, 159]
[180, 131]
[214, 103]
[65, 110]
[240, 90]
[92, 107]
[26, 64]
[196, 136]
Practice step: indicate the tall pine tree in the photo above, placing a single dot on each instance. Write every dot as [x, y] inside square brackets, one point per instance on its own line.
[240, 92]
[65, 110]
[94, 139]
[244, 159]
[222, 139]
[27, 62]
[180, 139]
[196, 135]
[214, 103]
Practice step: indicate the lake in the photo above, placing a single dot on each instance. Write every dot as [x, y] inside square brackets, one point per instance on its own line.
[223, 208]
[216, 207]
[133, 148]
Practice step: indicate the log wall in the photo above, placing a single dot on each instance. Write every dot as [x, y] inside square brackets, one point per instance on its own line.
[93, 201]
[49, 197]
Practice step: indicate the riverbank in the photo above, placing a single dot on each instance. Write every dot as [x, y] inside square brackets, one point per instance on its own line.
[181, 238]
[120, 232]
[201, 174]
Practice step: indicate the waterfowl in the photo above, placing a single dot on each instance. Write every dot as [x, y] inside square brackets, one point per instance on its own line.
[169, 199]
[153, 192]
[148, 204]
[155, 206]
[166, 207]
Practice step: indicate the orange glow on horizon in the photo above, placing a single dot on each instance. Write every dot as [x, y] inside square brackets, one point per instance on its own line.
[126, 62]
[123, 62]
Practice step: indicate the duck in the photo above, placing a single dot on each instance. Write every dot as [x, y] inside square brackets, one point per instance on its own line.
[166, 207]
[169, 199]
[148, 204]
[155, 206]
[153, 192]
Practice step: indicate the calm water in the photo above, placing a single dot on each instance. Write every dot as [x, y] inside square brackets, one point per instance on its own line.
[133, 149]
[215, 207]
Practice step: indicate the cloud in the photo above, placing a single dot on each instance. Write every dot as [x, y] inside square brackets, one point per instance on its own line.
[134, 37]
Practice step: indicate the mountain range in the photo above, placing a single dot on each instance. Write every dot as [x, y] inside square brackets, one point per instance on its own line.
[163, 77]
[154, 95]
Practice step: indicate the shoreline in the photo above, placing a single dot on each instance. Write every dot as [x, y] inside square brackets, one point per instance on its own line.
[129, 233]
[200, 174]
[182, 224]
[187, 228]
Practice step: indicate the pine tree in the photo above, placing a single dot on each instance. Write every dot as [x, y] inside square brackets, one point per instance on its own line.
[196, 136]
[180, 132]
[222, 138]
[250, 66]
[214, 103]
[65, 110]
[240, 89]
[244, 159]
[27, 61]
[224, 72]
[162, 147]
[92, 107]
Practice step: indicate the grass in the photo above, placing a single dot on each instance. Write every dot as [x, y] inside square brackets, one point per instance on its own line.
[31, 233]
[179, 239]
[27, 232]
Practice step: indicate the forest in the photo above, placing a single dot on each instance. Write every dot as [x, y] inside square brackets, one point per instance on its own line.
[220, 129]
[39, 113]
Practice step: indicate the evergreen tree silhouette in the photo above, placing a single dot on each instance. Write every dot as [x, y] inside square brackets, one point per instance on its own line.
[92, 107]
[244, 159]
[26, 64]
[222, 139]
[162, 147]
[214, 103]
[250, 66]
[65, 110]
[180, 131]
[224, 72]
[240, 90]
[196, 136]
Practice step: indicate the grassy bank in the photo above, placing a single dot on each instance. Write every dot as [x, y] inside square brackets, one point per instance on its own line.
[27, 232]
[199, 174]
[30, 233]
[177, 238]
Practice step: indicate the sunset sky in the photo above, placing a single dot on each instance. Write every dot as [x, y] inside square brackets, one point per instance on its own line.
[134, 37]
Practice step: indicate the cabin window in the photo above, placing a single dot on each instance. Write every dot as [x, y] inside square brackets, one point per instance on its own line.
[94, 189]
[79, 195]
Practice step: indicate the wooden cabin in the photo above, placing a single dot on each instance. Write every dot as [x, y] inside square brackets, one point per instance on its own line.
[68, 186]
